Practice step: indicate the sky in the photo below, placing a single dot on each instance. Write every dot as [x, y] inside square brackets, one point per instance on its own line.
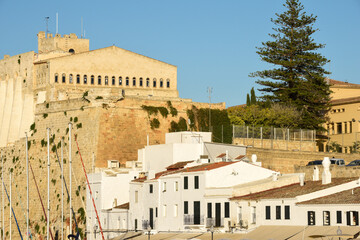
[212, 43]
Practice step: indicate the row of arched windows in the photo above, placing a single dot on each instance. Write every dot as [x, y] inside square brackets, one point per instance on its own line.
[114, 81]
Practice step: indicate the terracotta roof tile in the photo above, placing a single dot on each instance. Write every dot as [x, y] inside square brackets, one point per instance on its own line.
[240, 157]
[143, 179]
[221, 155]
[178, 165]
[123, 206]
[293, 190]
[351, 196]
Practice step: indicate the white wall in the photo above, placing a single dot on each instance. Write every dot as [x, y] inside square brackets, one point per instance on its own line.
[215, 149]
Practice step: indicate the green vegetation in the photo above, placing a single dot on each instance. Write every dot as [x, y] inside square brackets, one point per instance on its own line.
[154, 123]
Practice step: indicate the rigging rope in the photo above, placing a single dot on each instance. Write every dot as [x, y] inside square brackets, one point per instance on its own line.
[12, 209]
[82, 162]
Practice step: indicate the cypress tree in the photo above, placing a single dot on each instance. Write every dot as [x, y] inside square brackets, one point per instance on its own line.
[252, 97]
[298, 78]
[248, 103]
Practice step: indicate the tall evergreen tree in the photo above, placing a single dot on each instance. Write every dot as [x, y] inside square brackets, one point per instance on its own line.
[298, 78]
[248, 103]
[252, 97]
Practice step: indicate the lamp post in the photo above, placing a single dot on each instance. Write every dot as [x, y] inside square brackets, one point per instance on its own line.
[212, 232]
[149, 229]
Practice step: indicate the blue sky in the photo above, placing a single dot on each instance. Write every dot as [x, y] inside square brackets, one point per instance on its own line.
[211, 42]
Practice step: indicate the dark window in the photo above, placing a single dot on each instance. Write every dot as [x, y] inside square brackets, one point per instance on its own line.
[227, 209]
[140, 82]
[326, 218]
[156, 214]
[186, 207]
[120, 81]
[85, 79]
[99, 80]
[151, 188]
[209, 210]
[338, 217]
[186, 181]
[134, 82]
[113, 80]
[63, 78]
[287, 212]
[147, 82]
[92, 79]
[352, 218]
[56, 77]
[78, 79]
[197, 212]
[106, 80]
[311, 218]
[278, 212]
[339, 128]
[196, 182]
[71, 51]
[127, 81]
[154, 82]
[168, 83]
[161, 83]
[267, 212]
[70, 78]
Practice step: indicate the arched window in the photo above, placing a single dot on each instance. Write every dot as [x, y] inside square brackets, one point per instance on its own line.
[56, 77]
[99, 80]
[78, 78]
[63, 78]
[120, 81]
[92, 80]
[85, 79]
[161, 83]
[71, 51]
[140, 82]
[113, 80]
[168, 83]
[106, 80]
[154, 82]
[70, 78]
[127, 81]
[134, 81]
[147, 82]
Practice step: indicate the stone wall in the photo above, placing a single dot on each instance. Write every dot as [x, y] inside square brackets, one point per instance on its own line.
[307, 146]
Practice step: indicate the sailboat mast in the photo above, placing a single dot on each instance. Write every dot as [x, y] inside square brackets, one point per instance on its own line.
[62, 188]
[48, 183]
[70, 161]
[27, 189]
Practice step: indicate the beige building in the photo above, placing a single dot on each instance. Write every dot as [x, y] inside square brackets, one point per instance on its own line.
[343, 124]
[64, 68]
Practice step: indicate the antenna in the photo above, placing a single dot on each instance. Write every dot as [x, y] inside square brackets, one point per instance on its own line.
[209, 90]
[57, 23]
[47, 26]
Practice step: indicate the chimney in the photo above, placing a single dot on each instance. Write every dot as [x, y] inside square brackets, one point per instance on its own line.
[253, 158]
[316, 174]
[302, 179]
[326, 175]
[227, 156]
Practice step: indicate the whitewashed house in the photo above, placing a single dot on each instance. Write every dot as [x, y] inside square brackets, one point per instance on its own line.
[182, 197]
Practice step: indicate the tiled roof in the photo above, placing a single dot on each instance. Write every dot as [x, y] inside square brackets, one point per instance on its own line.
[345, 197]
[240, 157]
[221, 155]
[143, 179]
[198, 168]
[178, 165]
[293, 190]
[345, 101]
[123, 206]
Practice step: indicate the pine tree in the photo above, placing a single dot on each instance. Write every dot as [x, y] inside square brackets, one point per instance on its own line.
[298, 78]
[252, 97]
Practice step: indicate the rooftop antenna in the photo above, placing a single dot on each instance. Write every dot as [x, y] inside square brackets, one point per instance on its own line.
[57, 23]
[47, 26]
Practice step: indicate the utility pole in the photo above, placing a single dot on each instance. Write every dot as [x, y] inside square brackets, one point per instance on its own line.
[209, 90]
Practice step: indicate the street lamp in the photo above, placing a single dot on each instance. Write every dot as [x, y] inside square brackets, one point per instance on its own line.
[212, 232]
[149, 229]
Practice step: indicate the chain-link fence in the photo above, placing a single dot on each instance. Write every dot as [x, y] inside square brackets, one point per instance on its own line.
[275, 138]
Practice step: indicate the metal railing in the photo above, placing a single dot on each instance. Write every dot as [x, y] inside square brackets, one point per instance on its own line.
[191, 220]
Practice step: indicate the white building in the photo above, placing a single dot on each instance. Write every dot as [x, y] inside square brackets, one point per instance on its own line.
[189, 195]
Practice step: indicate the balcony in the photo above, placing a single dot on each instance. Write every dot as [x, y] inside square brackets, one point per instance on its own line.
[191, 220]
[146, 223]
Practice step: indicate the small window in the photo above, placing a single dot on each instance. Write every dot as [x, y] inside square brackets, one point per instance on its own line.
[70, 78]
[99, 80]
[186, 182]
[127, 81]
[63, 78]
[151, 188]
[156, 212]
[134, 82]
[164, 210]
[311, 218]
[147, 82]
[209, 210]
[267, 212]
[186, 207]
[287, 212]
[140, 82]
[278, 212]
[176, 186]
[113, 80]
[164, 187]
[106, 80]
[154, 82]
[56, 77]
[352, 218]
[120, 81]
[78, 79]
[338, 217]
[227, 210]
[326, 218]
[161, 83]
[136, 196]
[196, 182]
[168, 83]
[92, 80]
[253, 215]
[85, 79]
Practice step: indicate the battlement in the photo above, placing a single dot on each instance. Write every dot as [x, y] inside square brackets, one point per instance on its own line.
[67, 43]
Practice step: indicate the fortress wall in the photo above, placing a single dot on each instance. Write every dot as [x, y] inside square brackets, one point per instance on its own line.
[9, 98]
[16, 111]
